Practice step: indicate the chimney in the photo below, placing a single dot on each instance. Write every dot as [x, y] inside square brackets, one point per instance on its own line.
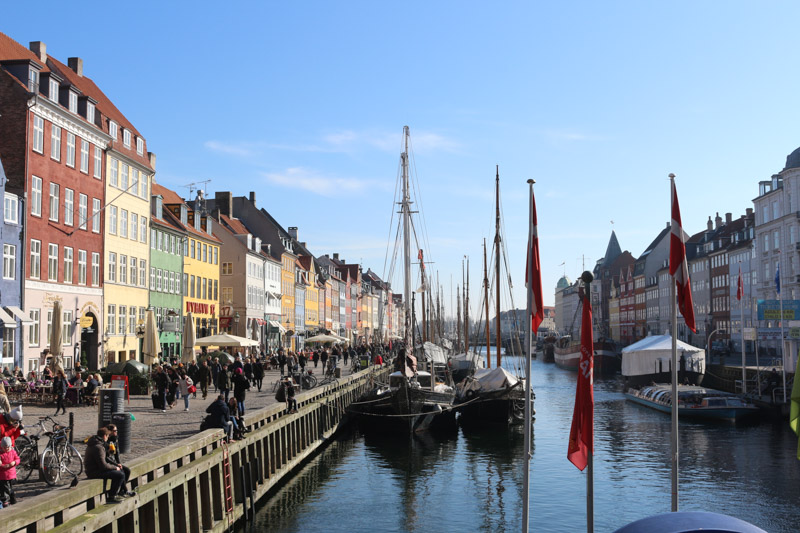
[335, 257]
[709, 224]
[253, 198]
[717, 221]
[40, 49]
[152, 157]
[269, 249]
[292, 231]
[76, 64]
[749, 211]
[728, 218]
[303, 244]
[224, 202]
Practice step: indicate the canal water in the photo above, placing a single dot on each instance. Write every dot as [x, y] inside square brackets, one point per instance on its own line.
[474, 481]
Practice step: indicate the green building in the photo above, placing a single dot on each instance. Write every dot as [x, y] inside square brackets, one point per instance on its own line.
[167, 242]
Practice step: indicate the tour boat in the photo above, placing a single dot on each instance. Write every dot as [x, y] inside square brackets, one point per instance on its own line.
[568, 355]
[694, 402]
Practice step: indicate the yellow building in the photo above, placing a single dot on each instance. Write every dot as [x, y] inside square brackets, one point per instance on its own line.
[200, 284]
[287, 296]
[328, 288]
[129, 174]
[312, 294]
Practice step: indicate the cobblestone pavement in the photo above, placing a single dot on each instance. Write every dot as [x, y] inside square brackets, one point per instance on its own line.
[151, 429]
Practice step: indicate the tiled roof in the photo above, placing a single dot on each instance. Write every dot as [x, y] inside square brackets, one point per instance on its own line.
[170, 197]
[234, 225]
[11, 49]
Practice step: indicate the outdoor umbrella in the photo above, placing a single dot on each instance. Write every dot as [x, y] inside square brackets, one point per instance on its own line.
[322, 338]
[151, 346]
[224, 357]
[129, 368]
[188, 339]
[255, 329]
[56, 345]
[224, 339]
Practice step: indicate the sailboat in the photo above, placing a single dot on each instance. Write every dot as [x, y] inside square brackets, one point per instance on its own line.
[413, 400]
[493, 395]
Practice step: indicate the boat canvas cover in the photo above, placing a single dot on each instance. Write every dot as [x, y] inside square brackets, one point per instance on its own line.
[489, 379]
[432, 352]
[643, 357]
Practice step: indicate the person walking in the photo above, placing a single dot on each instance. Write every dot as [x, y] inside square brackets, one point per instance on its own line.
[204, 378]
[192, 371]
[291, 402]
[282, 361]
[323, 357]
[224, 381]
[97, 467]
[60, 391]
[258, 374]
[162, 384]
[215, 370]
[240, 388]
[302, 359]
[248, 368]
[315, 357]
[185, 384]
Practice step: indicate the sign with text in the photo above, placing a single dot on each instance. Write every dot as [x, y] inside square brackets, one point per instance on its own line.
[771, 310]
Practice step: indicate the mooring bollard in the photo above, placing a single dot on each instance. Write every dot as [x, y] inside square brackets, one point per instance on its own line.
[71, 426]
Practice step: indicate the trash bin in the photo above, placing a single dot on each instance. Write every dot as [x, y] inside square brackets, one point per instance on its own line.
[110, 401]
[123, 423]
[337, 372]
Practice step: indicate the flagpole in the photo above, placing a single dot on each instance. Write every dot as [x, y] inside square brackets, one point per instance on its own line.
[674, 431]
[528, 335]
[740, 295]
[587, 280]
[783, 341]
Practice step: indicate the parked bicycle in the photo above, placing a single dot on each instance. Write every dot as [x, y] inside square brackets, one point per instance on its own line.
[60, 460]
[27, 446]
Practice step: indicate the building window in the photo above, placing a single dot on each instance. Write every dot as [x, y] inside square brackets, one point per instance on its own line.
[8, 343]
[82, 210]
[33, 329]
[53, 96]
[36, 258]
[205, 288]
[123, 317]
[111, 321]
[98, 163]
[95, 269]
[227, 269]
[68, 264]
[54, 201]
[113, 171]
[216, 287]
[185, 287]
[69, 206]
[134, 181]
[38, 134]
[123, 223]
[205, 253]
[134, 273]
[134, 227]
[81, 267]
[123, 269]
[36, 196]
[143, 229]
[70, 149]
[9, 261]
[112, 129]
[142, 273]
[126, 137]
[191, 287]
[112, 219]
[73, 102]
[192, 248]
[84, 156]
[55, 143]
[227, 294]
[152, 278]
[66, 329]
[52, 262]
[216, 252]
[158, 279]
[96, 215]
[10, 206]
[123, 177]
[139, 146]
[49, 323]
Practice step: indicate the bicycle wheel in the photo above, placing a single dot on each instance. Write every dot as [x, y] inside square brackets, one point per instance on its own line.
[309, 381]
[71, 461]
[26, 450]
[51, 470]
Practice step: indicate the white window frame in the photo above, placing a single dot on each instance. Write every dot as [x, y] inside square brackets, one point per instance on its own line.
[90, 112]
[134, 227]
[36, 196]
[112, 129]
[38, 134]
[133, 272]
[96, 215]
[143, 273]
[112, 267]
[55, 143]
[69, 206]
[33, 329]
[111, 321]
[52, 262]
[81, 267]
[84, 156]
[73, 102]
[123, 177]
[112, 220]
[11, 208]
[71, 149]
[55, 193]
[98, 163]
[69, 259]
[36, 258]
[139, 146]
[113, 172]
[123, 223]
[126, 137]
[83, 210]
[123, 269]
[95, 269]
[9, 261]
[53, 96]
[143, 229]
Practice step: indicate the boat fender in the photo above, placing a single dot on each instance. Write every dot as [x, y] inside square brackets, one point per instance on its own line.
[470, 394]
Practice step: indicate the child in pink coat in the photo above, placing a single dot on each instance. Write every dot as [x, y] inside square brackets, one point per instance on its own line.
[9, 460]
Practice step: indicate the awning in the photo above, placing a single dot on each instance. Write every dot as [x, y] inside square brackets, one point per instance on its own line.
[17, 312]
[260, 321]
[7, 320]
[277, 325]
[274, 295]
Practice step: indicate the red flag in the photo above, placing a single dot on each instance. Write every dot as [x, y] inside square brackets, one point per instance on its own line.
[678, 266]
[533, 271]
[740, 286]
[581, 436]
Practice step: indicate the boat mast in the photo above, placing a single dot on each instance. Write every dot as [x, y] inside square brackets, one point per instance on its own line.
[497, 260]
[486, 295]
[466, 312]
[406, 211]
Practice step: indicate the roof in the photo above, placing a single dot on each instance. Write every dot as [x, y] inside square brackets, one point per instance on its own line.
[612, 251]
[170, 197]
[11, 49]
[793, 160]
[234, 225]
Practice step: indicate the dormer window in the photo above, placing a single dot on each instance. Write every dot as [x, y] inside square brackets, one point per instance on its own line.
[112, 129]
[33, 80]
[73, 102]
[90, 112]
[126, 138]
[139, 146]
[53, 96]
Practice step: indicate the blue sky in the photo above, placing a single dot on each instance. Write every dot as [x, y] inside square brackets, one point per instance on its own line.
[304, 103]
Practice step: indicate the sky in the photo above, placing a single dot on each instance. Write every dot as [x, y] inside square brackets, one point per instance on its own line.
[304, 103]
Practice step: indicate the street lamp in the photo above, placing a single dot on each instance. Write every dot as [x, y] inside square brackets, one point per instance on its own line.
[709, 344]
[140, 336]
[236, 321]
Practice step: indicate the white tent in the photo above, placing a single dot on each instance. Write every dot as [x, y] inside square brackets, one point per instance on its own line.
[653, 354]
[431, 352]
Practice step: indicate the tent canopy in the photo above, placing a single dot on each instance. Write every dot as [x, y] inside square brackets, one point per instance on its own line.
[323, 338]
[641, 358]
[224, 339]
[432, 352]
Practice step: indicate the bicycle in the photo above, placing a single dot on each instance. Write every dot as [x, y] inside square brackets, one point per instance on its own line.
[60, 459]
[330, 375]
[27, 447]
[307, 380]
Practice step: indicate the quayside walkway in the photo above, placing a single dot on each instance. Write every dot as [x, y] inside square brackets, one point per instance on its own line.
[188, 480]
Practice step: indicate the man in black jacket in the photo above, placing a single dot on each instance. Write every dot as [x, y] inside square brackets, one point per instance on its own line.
[97, 467]
[112, 458]
[220, 415]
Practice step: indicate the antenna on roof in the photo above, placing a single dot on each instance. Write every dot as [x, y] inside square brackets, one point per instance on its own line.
[193, 186]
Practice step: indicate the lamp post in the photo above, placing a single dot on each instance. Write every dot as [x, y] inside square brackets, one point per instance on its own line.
[140, 336]
[709, 343]
[236, 321]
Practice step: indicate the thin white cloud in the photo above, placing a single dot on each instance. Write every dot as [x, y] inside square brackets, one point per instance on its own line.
[240, 150]
[315, 182]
